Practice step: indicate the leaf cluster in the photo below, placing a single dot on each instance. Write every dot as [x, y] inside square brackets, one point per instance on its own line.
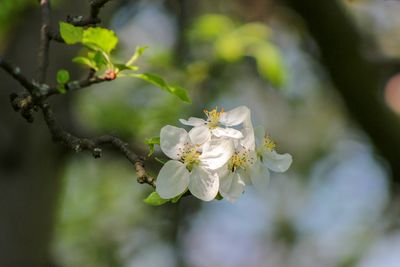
[100, 42]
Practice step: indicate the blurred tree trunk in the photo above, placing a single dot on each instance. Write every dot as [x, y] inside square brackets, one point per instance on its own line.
[357, 80]
[30, 163]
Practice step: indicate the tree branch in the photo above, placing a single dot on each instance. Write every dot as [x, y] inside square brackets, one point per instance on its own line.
[39, 91]
[15, 72]
[93, 145]
[76, 85]
[92, 20]
[43, 55]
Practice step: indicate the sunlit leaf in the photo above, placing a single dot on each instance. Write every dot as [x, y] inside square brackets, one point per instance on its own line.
[138, 52]
[230, 47]
[99, 58]
[211, 26]
[252, 33]
[70, 33]
[270, 64]
[154, 199]
[159, 82]
[100, 39]
[85, 61]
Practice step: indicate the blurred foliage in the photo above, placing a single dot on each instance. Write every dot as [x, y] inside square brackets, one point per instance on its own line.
[231, 41]
[97, 208]
[100, 42]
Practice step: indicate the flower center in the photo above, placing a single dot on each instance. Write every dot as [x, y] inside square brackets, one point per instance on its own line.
[213, 117]
[240, 159]
[269, 144]
[190, 156]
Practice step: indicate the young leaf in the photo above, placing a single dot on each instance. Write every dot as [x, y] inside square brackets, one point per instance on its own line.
[177, 198]
[62, 76]
[99, 58]
[61, 89]
[85, 61]
[151, 142]
[181, 93]
[138, 52]
[154, 199]
[100, 39]
[70, 33]
[159, 82]
[122, 67]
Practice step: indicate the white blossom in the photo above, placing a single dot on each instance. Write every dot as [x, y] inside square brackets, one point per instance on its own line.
[217, 124]
[213, 157]
[191, 166]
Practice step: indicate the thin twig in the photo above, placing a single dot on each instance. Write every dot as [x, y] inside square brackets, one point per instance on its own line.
[94, 144]
[43, 55]
[39, 91]
[75, 85]
[91, 20]
[16, 73]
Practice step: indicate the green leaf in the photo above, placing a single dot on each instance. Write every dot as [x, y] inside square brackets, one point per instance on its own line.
[86, 61]
[99, 58]
[219, 197]
[159, 82]
[138, 52]
[100, 39]
[177, 198]
[70, 33]
[62, 76]
[151, 142]
[122, 67]
[181, 93]
[61, 89]
[154, 199]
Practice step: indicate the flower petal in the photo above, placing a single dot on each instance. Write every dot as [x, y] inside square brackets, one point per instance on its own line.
[203, 184]
[199, 135]
[248, 140]
[235, 116]
[172, 180]
[216, 153]
[192, 121]
[259, 133]
[259, 176]
[227, 132]
[277, 162]
[172, 141]
[231, 186]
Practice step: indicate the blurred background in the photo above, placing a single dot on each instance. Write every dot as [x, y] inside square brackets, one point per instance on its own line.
[321, 76]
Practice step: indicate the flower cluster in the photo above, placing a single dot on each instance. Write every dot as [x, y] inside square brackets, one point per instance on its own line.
[220, 154]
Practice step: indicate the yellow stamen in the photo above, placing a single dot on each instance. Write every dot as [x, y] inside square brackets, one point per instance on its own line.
[213, 117]
[240, 159]
[190, 156]
[269, 144]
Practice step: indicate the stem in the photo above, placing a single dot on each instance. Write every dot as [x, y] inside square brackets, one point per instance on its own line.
[43, 55]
